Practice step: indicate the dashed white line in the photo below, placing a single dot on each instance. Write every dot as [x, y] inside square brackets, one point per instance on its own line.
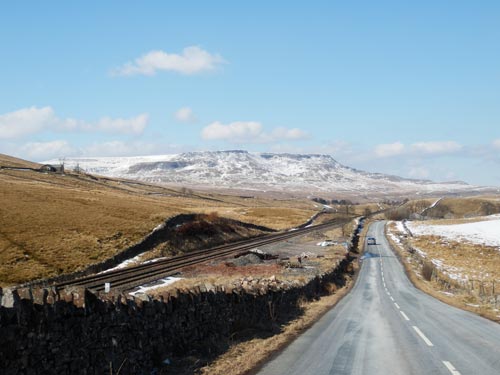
[392, 299]
[404, 316]
[450, 367]
[422, 336]
[397, 306]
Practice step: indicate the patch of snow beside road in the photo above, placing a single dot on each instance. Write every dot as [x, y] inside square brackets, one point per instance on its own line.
[486, 232]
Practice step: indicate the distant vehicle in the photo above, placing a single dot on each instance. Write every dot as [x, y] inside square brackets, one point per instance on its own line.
[371, 241]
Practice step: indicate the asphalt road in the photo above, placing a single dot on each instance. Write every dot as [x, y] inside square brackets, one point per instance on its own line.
[386, 326]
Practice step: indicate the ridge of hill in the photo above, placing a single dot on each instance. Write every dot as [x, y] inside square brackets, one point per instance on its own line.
[301, 174]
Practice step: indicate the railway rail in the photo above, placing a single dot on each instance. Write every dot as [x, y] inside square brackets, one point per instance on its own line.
[128, 278]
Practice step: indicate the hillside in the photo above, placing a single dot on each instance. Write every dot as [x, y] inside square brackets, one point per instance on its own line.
[52, 224]
[9, 161]
[264, 172]
[447, 208]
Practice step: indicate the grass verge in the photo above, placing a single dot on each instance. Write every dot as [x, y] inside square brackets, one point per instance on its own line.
[245, 358]
[460, 298]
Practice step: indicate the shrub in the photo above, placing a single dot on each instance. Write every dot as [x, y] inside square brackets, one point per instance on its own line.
[428, 270]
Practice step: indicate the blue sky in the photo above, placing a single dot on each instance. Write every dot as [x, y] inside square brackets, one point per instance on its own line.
[407, 88]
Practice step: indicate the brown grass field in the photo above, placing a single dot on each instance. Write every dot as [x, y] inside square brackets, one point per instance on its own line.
[466, 207]
[52, 224]
[478, 263]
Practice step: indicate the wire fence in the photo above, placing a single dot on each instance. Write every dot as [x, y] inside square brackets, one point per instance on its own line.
[486, 291]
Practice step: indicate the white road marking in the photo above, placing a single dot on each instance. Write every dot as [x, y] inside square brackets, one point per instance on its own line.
[422, 336]
[404, 316]
[392, 299]
[450, 367]
[397, 306]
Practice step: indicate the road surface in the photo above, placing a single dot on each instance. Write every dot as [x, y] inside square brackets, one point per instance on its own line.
[386, 326]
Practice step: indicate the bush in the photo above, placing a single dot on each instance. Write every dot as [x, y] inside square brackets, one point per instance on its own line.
[428, 270]
[398, 213]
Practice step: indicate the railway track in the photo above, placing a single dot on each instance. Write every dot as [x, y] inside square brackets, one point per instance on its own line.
[128, 278]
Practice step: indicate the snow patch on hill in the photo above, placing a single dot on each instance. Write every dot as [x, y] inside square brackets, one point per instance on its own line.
[257, 171]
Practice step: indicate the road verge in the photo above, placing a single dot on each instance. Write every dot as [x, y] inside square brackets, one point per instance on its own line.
[425, 277]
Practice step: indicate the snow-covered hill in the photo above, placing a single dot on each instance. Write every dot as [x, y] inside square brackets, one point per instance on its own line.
[242, 170]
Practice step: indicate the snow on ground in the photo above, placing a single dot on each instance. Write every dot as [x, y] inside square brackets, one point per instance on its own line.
[401, 228]
[431, 206]
[163, 282]
[485, 232]
[131, 262]
[454, 273]
[125, 263]
[254, 171]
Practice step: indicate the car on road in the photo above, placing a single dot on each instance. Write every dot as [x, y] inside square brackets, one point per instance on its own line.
[371, 241]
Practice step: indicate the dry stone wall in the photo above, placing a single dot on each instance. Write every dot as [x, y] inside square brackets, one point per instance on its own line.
[43, 331]
[75, 332]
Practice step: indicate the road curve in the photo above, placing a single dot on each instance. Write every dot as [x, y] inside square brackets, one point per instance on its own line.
[387, 326]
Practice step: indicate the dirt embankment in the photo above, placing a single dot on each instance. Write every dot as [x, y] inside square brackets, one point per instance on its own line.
[180, 234]
[187, 232]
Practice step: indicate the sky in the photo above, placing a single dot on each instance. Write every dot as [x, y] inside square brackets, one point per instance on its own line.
[398, 87]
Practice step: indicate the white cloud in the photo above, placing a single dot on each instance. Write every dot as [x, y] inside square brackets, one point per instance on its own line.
[432, 148]
[496, 143]
[185, 114]
[193, 60]
[118, 148]
[25, 121]
[134, 125]
[130, 148]
[47, 150]
[289, 134]
[239, 131]
[419, 172]
[34, 120]
[249, 132]
[39, 151]
[417, 149]
[389, 149]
